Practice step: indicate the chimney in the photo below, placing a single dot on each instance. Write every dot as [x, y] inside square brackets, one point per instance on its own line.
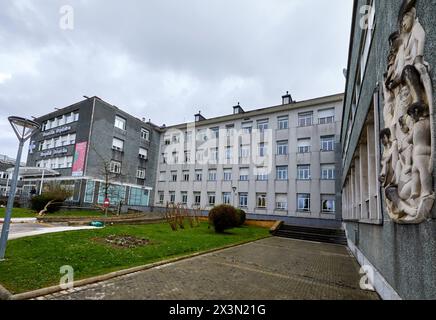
[238, 109]
[287, 99]
[199, 117]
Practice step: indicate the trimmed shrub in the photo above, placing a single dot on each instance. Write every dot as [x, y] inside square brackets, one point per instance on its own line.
[38, 203]
[242, 217]
[223, 217]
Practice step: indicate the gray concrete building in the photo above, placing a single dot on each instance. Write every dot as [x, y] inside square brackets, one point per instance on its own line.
[388, 146]
[276, 162]
[97, 149]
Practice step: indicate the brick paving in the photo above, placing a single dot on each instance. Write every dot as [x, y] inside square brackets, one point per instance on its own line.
[269, 269]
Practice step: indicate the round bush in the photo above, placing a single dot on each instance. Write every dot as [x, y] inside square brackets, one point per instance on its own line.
[39, 202]
[242, 217]
[223, 217]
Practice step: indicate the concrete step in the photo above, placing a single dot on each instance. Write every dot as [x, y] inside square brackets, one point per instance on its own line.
[311, 237]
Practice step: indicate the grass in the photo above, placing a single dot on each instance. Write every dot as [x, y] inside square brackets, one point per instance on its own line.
[34, 262]
[27, 213]
[18, 213]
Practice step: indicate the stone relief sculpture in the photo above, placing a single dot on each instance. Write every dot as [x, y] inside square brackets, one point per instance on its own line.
[407, 160]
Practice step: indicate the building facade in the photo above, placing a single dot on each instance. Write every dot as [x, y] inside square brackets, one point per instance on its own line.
[273, 162]
[388, 146]
[98, 151]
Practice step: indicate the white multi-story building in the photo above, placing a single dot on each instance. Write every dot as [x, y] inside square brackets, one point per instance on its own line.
[277, 161]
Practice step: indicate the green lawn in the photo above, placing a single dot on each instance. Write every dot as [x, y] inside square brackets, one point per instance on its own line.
[34, 262]
[18, 213]
[27, 213]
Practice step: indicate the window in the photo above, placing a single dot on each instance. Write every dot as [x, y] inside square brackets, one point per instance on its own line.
[56, 142]
[175, 157]
[117, 144]
[304, 145]
[164, 158]
[140, 174]
[212, 175]
[201, 135]
[227, 197]
[229, 152]
[283, 123]
[328, 172]
[162, 176]
[161, 197]
[261, 200]
[328, 203]
[187, 156]
[243, 200]
[303, 172]
[282, 173]
[262, 125]
[76, 116]
[167, 141]
[262, 149]
[303, 201]
[282, 148]
[247, 127]
[215, 133]
[328, 143]
[115, 167]
[198, 175]
[172, 197]
[243, 174]
[197, 198]
[305, 119]
[145, 134]
[69, 162]
[184, 197]
[262, 174]
[326, 116]
[72, 138]
[89, 192]
[176, 138]
[185, 176]
[230, 129]
[281, 202]
[244, 152]
[174, 176]
[138, 197]
[228, 175]
[143, 153]
[211, 197]
[120, 123]
[214, 154]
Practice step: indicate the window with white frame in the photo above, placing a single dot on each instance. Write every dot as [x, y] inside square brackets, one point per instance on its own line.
[328, 143]
[120, 123]
[261, 200]
[283, 123]
[228, 175]
[76, 116]
[198, 175]
[117, 144]
[145, 134]
[303, 202]
[305, 119]
[326, 116]
[262, 125]
[243, 174]
[140, 173]
[244, 152]
[230, 129]
[304, 145]
[215, 133]
[303, 172]
[115, 167]
[143, 153]
[262, 149]
[328, 172]
[161, 197]
[328, 203]
[186, 175]
[282, 148]
[197, 198]
[174, 176]
[229, 153]
[162, 176]
[262, 174]
[247, 127]
[214, 154]
[211, 198]
[212, 175]
[243, 200]
[282, 202]
[282, 173]
[227, 197]
[184, 196]
[172, 197]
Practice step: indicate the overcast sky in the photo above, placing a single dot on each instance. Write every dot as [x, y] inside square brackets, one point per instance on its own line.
[167, 59]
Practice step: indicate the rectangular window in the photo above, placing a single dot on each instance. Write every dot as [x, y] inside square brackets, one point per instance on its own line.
[282, 148]
[304, 145]
[72, 138]
[229, 153]
[162, 176]
[174, 176]
[261, 200]
[198, 175]
[140, 174]
[328, 203]
[187, 157]
[283, 123]
[145, 134]
[227, 197]
[89, 192]
[184, 197]
[228, 175]
[243, 200]
[120, 123]
[282, 173]
[328, 172]
[161, 197]
[214, 154]
[185, 176]
[328, 143]
[215, 133]
[172, 197]
[262, 125]
[212, 175]
[117, 144]
[303, 201]
[303, 172]
[262, 149]
[262, 174]
[76, 116]
[138, 197]
[243, 174]
[197, 198]
[230, 129]
[211, 199]
[326, 116]
[244, 152]
[115, 167]
[143, 153]
[247, 127]
[305, 119]
[281, 202]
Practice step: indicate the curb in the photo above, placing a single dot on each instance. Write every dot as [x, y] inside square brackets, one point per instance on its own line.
[116, 274]
[276, 226]
[5, 294]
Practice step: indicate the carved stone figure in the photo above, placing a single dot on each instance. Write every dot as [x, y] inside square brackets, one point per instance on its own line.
[407, 161]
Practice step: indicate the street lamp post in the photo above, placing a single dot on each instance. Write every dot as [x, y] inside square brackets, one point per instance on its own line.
[24, 129]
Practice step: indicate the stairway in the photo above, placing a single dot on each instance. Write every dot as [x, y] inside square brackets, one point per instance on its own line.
[335, 236]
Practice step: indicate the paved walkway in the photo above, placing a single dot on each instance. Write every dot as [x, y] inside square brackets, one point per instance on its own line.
[270, 269]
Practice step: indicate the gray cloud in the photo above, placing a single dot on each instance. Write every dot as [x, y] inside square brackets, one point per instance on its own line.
[182, 56]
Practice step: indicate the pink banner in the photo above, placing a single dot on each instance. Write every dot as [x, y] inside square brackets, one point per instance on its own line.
[79, 159]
